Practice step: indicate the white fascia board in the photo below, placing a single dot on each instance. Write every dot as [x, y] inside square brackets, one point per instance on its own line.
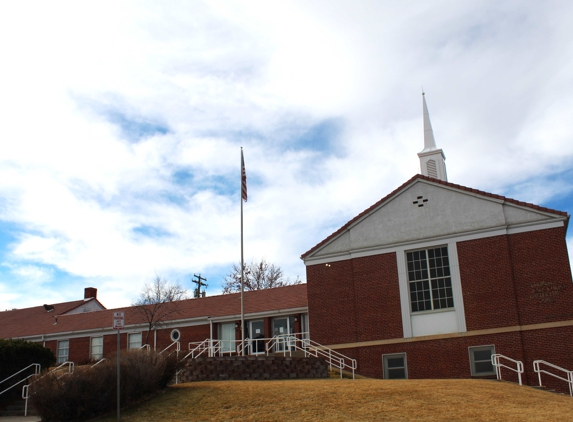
[478, 234]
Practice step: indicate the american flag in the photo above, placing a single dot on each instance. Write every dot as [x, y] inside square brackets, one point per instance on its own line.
[243, 179]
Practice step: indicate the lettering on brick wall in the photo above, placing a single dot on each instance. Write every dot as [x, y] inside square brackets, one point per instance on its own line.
[546, 291]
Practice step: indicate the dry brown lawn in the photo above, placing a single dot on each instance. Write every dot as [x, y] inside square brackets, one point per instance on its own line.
[352, 400]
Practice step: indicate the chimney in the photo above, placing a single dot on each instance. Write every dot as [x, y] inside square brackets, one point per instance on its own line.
[90, 292]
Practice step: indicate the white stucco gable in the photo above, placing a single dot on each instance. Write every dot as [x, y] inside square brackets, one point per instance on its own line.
[425, 209]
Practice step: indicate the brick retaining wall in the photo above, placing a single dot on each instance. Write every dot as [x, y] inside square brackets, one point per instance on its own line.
[252, 368]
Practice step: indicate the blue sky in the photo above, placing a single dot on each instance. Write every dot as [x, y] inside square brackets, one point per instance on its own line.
[122, 125]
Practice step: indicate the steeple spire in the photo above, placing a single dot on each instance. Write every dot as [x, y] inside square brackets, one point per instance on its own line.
[429, 141]
[432, 159]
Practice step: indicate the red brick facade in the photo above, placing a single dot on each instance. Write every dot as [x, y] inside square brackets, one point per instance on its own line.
[507, 282]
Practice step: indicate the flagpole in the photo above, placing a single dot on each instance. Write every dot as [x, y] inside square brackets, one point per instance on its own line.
[243, 193]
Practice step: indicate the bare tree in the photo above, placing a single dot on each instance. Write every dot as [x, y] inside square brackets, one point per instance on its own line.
[157, 303]
[257, 276]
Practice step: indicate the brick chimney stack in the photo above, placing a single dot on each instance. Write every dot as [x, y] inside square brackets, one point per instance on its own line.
[90, 292]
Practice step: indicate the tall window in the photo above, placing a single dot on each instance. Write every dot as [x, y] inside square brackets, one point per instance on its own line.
[134, 341]
[429, 279]
[63, 350]
[96, 352]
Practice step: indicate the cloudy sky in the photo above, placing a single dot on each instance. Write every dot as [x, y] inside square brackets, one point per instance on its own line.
[122, 123]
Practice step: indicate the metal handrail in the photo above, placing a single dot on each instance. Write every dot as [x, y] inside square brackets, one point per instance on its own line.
[26, 390]
[334, 358]
[569, 378]
[289, 342]
[495, 361]
[146, 346]
[98, 362]
[177, 349]
[37, 368]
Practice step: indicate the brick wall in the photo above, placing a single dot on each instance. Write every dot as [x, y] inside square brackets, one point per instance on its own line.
[507, 280]
[354, 300]
[331, 302]
[542, 276]
[487, 283]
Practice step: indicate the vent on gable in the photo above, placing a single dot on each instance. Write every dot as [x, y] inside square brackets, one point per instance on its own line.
[432, 170]
[420, 201]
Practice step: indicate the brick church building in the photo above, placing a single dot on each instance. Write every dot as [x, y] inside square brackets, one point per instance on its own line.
[428, 282]
[434, 278]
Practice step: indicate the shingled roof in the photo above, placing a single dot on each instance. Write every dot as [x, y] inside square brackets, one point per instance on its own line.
[433, 180]
[36, 321]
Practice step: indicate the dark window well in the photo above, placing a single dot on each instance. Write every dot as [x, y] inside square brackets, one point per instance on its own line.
[395, 366]
[429, 279]
[480, 359]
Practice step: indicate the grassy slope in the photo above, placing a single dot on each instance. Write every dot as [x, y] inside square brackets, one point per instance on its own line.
[348, 400]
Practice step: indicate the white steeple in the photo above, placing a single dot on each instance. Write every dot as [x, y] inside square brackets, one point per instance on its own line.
[432, 159]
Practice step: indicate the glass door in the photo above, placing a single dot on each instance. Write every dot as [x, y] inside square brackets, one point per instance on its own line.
[282, 329]
[227, 337]
[257, 332]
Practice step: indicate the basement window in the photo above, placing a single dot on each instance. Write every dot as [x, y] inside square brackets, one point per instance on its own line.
[480, 360]
[395, 367]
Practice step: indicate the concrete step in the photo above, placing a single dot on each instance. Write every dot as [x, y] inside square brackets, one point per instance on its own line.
[17, 409]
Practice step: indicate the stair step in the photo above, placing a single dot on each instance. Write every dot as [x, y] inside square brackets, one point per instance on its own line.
[18, 409]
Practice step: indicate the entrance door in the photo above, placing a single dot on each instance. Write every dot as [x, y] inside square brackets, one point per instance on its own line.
[227, 337]
[282, 328]
[257, 331]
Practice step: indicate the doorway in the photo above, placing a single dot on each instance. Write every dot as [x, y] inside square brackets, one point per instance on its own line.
[283, 328]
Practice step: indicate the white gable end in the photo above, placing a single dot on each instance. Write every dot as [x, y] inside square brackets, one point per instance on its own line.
[424, 211]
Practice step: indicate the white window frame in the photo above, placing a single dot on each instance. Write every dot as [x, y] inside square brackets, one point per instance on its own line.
[386, 369]
[405, 290]
[430, 280]
[63, 351]
[471, 351]
[98, 353]
[131, 344]
[175, 335]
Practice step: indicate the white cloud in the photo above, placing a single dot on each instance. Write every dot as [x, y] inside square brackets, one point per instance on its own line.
[216, 76]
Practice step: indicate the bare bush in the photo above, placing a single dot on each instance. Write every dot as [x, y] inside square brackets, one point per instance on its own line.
[90, 392]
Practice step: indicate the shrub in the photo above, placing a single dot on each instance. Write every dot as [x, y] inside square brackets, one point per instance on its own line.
[89, 392]
[15, 355]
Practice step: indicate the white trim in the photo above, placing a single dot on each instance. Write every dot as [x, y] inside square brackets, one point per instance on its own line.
[405, 290]
[521, 227]
[478, 234]
[404, 294]
[457, 287]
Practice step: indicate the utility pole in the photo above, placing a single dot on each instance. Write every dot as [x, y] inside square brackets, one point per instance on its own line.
[198, 281]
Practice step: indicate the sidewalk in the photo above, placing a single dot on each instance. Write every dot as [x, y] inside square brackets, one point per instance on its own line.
[19, 418]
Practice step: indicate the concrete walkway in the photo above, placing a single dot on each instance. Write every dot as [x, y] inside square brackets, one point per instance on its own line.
[19, 418]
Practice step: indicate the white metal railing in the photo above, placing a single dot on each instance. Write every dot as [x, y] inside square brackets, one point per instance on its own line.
[98, 362]
[146, 347]
[177, 348]
[539, 370]
[496, 362]
[284, 343]
[37, 367]
[311, 348]
[26, 388]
